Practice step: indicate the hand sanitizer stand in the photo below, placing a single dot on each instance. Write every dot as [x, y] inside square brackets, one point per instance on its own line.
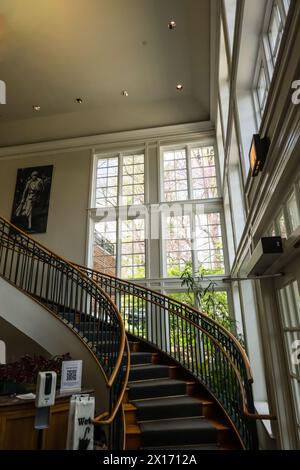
[45, 397]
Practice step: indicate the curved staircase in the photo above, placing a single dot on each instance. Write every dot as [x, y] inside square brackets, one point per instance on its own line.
[186, 383]
[165, 407]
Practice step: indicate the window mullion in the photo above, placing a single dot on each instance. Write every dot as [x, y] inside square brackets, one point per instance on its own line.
[189, 172]
[193, 240]
[118, 216]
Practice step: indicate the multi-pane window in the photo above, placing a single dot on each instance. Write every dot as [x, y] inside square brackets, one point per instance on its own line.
[271, 36]
[178, 244]
[275, 31]
[188, 178]
[190, 173]
[293, 212]
[262, 88]
[133, 249]
[280, 224]
[110, 190]
[107, 182]
[194, 240]
[104, 248]
[133, 180]
[288, 218]
[203, 173]
[289, 300]
[175, 175]
[209, 244]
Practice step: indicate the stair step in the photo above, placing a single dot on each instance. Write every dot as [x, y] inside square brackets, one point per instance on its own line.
[156, 388]
[140, 358]
[148, 371]
[173, 432]
[171, 407]
[186, 447]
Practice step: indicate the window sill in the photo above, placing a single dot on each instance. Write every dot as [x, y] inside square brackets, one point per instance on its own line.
[262, 407]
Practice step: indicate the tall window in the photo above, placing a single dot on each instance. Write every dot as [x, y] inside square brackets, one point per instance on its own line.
[196, 240]
[275, 31]
[133, 249]
[105, 247]
[203, 170]
[288, 217]
[189, 173]
[123, 220]
[289, 300]
[133, 180]
[175, 175]
[178, 244]
[107, 182]
[208, 243]
[262, 88]
[119, 241]
[270, 40]
[117, 188]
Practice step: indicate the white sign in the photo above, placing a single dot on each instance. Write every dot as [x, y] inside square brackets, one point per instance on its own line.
[71, 373]
[80, 427]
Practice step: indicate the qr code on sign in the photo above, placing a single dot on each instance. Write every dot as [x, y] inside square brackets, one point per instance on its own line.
[71, 375]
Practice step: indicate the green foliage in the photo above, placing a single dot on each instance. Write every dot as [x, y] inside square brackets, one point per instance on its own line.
[207, 299]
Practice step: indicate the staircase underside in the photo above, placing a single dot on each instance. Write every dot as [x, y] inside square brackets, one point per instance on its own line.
[167, 408]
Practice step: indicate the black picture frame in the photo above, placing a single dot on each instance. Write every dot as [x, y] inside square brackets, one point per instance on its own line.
[32, 198]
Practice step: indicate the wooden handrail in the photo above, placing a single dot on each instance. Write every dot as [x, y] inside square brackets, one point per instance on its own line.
[182, 305]
[99, 420]
[117, 286]
[35, 251]
[77, 268]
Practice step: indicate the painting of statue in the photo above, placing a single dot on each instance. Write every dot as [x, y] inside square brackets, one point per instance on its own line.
[31, 199]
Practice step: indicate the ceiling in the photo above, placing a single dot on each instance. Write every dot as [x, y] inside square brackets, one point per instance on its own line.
[54, 51]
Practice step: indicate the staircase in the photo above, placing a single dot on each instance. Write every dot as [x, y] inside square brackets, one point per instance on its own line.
[184, 381]
[165, 408]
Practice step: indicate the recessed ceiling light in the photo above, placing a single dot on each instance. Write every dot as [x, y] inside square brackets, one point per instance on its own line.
[78, 100]
[172, 24]
[179, 87]
[125, 93]
[36, 107]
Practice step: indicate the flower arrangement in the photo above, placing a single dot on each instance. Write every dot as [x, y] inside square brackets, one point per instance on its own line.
[23, 373]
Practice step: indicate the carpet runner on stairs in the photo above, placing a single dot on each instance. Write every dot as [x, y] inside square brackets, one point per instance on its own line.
[166, 416]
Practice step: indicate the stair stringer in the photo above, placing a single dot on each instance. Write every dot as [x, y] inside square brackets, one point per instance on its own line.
[48, 330]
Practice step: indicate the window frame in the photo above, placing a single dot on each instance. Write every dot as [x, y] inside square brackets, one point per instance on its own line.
[188, 147]
[120, 156]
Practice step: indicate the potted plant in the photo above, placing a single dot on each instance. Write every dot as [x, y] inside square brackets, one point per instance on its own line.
[21, 376]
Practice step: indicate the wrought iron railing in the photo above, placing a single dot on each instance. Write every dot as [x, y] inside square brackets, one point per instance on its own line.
[205, 348]
[81, 303]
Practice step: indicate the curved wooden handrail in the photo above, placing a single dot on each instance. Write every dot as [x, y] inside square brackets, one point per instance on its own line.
[82, 273]
[182, 305]
[105, 418]
[221, 340]
[15, 243]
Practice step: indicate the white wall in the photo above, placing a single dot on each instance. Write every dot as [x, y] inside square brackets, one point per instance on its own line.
[34, 321]
[66, 231]
[18, 344]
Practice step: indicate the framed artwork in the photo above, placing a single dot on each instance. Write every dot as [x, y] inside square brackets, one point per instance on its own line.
[31, 200]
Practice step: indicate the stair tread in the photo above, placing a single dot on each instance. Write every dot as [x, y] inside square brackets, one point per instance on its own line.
[169, 401]
[180, 425]
[149, 366]
[155, 382]
[212, 446]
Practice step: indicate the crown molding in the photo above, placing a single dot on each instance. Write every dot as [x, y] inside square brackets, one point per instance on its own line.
[140, 136]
